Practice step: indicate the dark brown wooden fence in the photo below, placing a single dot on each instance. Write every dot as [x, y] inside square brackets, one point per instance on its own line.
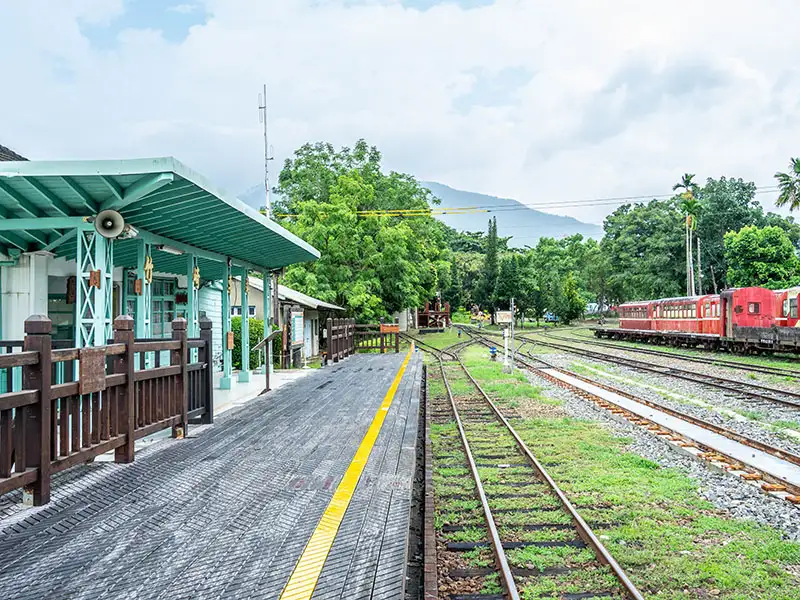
[104, 404]
[340, 339]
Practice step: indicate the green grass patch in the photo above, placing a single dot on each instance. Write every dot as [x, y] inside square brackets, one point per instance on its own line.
[671, 541]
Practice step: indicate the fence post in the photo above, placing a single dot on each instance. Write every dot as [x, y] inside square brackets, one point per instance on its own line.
[397, 336]
[126, 394]
[329, 344]
[351, 338]
[38, 377]
[179, 357]
[336, 327]
[383, 337]
[205, 356]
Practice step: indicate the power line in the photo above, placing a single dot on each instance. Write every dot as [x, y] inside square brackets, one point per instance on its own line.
[489, 208]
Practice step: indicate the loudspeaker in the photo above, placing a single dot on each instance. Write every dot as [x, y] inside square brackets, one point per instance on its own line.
[109, 223]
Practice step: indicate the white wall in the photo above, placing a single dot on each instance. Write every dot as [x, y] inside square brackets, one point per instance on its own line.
[24, 293]
[210, 302]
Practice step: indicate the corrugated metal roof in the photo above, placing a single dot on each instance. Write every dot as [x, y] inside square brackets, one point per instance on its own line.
[157, 195]
[290, 295]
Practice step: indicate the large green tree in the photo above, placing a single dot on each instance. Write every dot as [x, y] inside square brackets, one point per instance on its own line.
[760, 256]
[371, 263]
[645, 251]
[486, 291]
[727, 204]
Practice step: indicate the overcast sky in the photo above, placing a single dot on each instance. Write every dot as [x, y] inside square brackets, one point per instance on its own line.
[546, 100]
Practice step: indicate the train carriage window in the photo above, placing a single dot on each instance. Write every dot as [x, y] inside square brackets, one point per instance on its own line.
[693, 312]
[707, 312]
[754, 308]
[793, 308]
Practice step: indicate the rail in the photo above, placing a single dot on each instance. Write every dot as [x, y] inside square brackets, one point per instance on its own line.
[582, 528]
[105, 403]
[772, 483]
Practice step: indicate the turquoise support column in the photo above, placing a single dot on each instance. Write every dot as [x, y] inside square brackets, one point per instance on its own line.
[192, 303]
[93, 288]
[244, 374]
[267, 319]
[144, 271]
[227, 366]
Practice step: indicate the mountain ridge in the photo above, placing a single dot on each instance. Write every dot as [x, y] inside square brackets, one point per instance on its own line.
[524, 225]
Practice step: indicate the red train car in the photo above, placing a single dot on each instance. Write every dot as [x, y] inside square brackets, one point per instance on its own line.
[635, 315]
[747, 307]
[679, 314]
[740, 319]
[786, 309]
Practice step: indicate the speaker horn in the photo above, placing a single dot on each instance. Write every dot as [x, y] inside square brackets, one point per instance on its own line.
[109, 223]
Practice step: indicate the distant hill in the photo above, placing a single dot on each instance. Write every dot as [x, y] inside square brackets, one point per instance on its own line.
[526, 225]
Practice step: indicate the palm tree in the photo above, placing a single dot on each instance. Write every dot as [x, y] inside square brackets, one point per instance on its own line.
[789, 186]
[690, 207]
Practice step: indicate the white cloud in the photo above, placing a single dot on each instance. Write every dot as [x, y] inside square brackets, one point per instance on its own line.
[621, 102]
[183, 9]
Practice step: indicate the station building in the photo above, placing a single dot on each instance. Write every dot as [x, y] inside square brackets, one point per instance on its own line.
[181, 241]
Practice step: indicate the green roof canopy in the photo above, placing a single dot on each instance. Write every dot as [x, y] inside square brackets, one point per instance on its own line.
[41, 202]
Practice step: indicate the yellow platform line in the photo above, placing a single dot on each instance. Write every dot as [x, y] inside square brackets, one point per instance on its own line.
[306, 572]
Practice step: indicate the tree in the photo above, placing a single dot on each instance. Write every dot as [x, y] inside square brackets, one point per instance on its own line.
[371, 263]
[486, 288]
[569, 305]
[508, 281]
[789, 186]
[690, 207]
[728, 204]
[761, 256]
[645, 251]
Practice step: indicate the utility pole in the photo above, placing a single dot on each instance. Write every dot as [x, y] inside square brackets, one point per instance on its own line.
[699, 270]
[513, 329]
[262, 117]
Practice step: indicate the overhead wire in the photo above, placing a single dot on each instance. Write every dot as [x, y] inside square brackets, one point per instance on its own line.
[488, 208]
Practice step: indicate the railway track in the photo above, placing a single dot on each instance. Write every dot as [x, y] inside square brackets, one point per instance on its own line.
[447, 353]
[721, 362]
[774, 470]
[761, 393]
[494, 450]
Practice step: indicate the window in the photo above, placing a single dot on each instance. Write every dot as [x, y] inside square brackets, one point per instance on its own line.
[707, 312]
[785, 309]
[754, 308]
[236, 311]
[793, 308]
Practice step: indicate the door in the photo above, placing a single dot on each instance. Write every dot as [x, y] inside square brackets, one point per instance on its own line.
[726, 300]
[307, 338]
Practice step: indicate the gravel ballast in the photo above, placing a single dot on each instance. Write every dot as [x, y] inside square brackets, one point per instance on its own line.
[724, 491]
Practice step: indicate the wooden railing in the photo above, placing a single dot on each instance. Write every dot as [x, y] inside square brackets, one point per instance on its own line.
[46, 427]
[340, 339]
[380, 336]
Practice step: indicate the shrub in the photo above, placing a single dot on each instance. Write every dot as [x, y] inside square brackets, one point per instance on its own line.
[256, 335]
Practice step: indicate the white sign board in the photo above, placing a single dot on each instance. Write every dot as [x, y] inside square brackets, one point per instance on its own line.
[503, 316]
[297, 328]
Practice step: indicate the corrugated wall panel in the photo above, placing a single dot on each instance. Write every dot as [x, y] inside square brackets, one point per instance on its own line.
[211, 304]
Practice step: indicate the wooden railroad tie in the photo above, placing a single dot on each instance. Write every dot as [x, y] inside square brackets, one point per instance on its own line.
[773, 487]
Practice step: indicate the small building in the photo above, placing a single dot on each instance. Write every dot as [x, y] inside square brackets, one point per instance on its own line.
[86, 241]
[315, 311]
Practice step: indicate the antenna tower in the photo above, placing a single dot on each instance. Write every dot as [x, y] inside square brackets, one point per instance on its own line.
[262, 118]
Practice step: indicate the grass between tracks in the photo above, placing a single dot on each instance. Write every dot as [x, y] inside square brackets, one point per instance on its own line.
[671, 542]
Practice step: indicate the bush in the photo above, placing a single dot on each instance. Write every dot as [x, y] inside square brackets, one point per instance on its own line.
[256, 335]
